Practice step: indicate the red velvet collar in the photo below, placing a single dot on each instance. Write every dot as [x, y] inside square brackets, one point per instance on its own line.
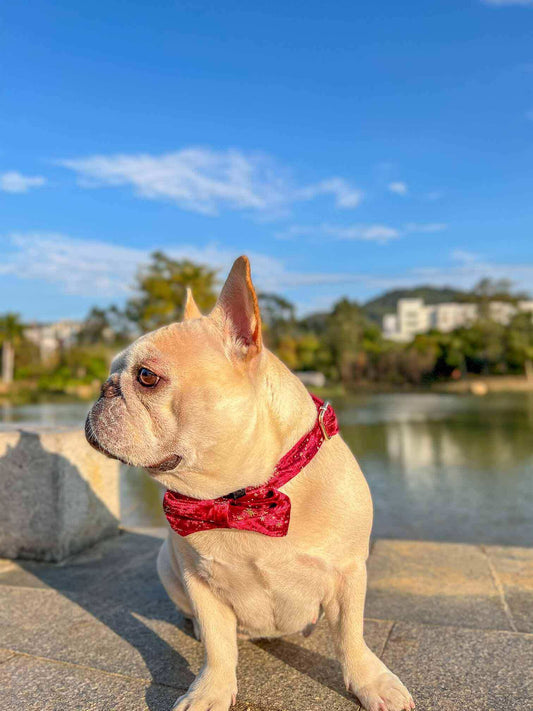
[263, 509]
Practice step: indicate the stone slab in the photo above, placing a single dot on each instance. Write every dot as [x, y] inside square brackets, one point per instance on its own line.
[294, 672]
[6, 654]
[102, 617]
[30, 684]
[89, 569]
[448, 668]
[299, 673]
[107, 610]
[116, 640]
[433, 583]
[57, 495]
[33, 684]
[513, 568]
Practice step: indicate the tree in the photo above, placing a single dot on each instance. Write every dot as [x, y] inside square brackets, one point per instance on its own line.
[96, 328]
[348, 334]
[419, 359]
[278, 317]
[519, 344]
[483, 346]
[487, 290]
[275, 309]
[11, 336]
[160, 288]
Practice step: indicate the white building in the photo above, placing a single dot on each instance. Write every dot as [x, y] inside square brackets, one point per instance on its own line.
[413, 316]
[50, 337]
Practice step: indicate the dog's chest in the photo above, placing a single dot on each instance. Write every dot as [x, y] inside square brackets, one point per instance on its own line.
[272, 592]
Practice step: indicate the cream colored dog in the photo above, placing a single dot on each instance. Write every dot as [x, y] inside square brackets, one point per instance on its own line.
[207, 410]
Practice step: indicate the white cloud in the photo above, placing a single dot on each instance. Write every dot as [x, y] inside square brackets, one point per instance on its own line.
[507, 3]
[434, 195]
[90, 268]
[468, 268]
[425, 228]
[346, 196]
[14, 182]
[398, 188]
[462, 255]
[207, 181]
[72, 264]
[366, 232]
[86, 267]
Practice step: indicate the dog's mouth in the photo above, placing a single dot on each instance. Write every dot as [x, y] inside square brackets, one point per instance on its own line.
[93, 440]
[164, 466]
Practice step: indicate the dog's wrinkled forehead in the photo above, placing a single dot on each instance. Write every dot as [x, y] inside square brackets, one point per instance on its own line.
[140, 353]
[179, 346]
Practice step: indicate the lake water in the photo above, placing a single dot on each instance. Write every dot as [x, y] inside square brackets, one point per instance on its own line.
[440, 467]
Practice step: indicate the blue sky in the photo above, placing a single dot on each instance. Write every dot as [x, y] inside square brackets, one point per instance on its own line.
[347, 148]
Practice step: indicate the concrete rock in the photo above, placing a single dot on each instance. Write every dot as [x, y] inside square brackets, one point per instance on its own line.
[57, 495]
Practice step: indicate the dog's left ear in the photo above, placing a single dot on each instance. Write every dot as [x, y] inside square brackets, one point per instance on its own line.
[191, 310]
[237, 310]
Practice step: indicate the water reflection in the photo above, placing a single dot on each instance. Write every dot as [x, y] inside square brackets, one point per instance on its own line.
[141, 499]
[441, 467]
[446, 467]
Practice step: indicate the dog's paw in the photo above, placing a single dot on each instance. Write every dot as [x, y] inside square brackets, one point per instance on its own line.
[384, 693]
[207, 695]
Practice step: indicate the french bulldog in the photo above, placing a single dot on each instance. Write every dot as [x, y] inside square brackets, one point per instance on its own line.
[208, 410]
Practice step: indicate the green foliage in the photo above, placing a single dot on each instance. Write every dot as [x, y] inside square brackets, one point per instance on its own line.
[11, 329]
[350, 338]
[160, 287]
[27, 364]
[496, 290]
[345, 344]
[12, 342]
[79, 365]
[518, 343]
[96, 328]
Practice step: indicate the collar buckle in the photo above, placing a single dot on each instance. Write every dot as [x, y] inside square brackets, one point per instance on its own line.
[321, 413]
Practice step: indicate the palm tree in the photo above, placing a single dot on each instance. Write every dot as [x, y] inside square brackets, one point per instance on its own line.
[11, 334]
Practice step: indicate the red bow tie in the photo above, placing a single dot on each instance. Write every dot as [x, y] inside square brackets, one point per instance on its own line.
[264, 508]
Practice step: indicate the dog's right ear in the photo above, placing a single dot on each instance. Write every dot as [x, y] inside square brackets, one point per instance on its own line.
[237, 310]
[191, 310]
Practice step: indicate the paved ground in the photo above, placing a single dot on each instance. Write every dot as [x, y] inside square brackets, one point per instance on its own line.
[455, 622]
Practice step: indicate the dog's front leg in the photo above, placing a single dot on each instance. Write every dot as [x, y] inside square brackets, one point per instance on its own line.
[215, 687]
[365, 675]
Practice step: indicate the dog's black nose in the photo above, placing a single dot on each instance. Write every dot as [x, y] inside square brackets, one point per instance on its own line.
[111, 387]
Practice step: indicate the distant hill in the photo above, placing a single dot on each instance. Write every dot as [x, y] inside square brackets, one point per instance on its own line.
[386, 303]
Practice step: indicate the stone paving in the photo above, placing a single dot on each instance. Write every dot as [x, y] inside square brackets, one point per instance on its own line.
[455, 622]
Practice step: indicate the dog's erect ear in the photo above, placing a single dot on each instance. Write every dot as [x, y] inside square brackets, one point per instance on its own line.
[191, 310]
[237, 309]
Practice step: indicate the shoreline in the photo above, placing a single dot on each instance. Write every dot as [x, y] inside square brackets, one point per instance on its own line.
[29, 394]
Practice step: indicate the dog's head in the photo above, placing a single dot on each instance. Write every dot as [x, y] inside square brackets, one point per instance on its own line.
[182, 401]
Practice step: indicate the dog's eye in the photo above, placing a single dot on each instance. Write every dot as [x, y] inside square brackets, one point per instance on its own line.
[146, 378]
